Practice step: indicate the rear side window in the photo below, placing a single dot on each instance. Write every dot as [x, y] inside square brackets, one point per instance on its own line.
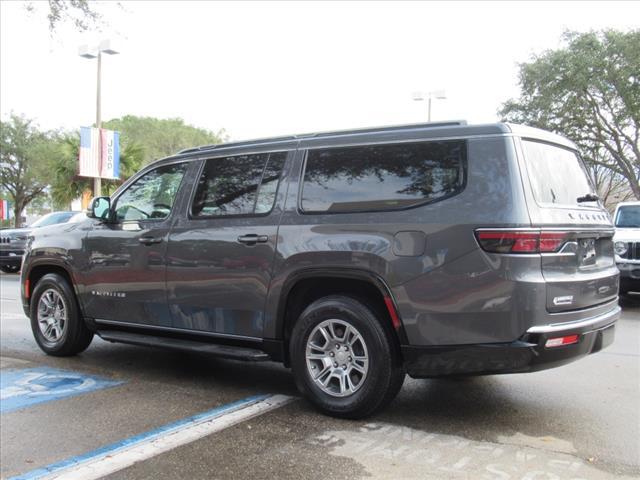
[557, 174]
[382, 177]
[238, 185]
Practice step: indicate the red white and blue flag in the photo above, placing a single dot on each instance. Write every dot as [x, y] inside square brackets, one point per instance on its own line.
[99, 153]
[5, 210]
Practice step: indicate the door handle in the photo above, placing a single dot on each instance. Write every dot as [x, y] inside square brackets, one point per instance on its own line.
[252, 239]
[149, 240]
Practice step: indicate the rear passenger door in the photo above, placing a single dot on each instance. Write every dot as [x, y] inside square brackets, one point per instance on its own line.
[220, 255]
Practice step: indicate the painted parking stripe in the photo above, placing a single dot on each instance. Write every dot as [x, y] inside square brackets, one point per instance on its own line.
[30, 386]
[123, 454]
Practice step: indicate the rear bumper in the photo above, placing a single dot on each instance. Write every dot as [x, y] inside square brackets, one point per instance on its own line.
[11, 258]
[528, 354]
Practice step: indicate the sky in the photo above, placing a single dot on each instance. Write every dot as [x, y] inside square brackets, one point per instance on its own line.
[265, 69]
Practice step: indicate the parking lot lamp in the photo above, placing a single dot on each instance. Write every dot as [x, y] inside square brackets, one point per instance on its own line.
[420, 96]
[90, 53]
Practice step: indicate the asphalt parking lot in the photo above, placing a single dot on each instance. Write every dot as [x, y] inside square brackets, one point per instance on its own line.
[578, 421]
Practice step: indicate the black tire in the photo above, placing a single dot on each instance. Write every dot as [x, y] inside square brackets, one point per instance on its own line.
[385, 373]
[10, 268]
[75, 336]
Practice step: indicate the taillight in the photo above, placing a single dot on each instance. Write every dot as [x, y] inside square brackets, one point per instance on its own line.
[514, 241]
[551, 242]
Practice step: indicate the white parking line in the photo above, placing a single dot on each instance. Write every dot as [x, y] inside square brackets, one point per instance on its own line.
[120, 455]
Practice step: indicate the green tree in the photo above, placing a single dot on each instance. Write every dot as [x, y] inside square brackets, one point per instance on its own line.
[24, 151]
[161, 137]
[589, 91]
[67, 185]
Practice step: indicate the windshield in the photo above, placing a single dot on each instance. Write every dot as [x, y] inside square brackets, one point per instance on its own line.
[557, 174]
[628, 217]
[52, 219]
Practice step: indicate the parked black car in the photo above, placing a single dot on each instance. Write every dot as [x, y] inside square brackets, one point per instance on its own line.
[353, 257]
[13, 240]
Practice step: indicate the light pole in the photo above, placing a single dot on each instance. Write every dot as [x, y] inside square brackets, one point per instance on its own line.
[420, 96]
[96, 52]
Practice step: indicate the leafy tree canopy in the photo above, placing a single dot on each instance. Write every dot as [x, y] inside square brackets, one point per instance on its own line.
[24, 151]
[36, 164]
[589, 91]
[78, 12]
[161, 137]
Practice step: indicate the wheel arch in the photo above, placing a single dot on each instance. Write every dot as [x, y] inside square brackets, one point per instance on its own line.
[303, 287]
[39, 270]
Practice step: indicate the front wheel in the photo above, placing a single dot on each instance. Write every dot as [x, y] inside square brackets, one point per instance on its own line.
[344, 359]
[56, 322]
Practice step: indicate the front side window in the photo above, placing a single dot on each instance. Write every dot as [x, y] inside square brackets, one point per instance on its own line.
[557, 174]
[238, 185]
[382, 177]
[152, 195]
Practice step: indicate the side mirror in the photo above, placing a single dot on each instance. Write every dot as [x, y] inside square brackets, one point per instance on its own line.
[99, 207]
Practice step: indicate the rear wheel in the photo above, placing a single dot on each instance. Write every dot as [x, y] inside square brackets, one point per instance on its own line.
[56, 321]
[344, 359]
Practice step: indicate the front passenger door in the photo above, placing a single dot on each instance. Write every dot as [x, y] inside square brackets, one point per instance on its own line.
[125, 278]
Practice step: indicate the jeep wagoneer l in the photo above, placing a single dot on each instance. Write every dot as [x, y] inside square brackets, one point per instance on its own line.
[354, 257]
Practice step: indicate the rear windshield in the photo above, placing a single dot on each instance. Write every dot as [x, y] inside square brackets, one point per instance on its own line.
[557, 174]
[628, 217]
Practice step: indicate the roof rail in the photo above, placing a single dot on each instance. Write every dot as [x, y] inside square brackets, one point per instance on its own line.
[355, 131]
[392, 128]
[238, 144]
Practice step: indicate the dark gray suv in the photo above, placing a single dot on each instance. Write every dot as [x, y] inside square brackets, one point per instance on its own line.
[353, 257]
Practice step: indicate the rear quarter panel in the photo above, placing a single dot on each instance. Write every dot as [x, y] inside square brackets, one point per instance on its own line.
[447, 294]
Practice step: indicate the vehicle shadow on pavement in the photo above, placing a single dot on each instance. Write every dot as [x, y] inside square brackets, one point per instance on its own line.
[185, 369]
[631, 301]
[457, 404]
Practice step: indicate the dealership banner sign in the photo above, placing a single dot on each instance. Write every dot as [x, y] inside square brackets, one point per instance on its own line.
[99, 153]
[5, 210]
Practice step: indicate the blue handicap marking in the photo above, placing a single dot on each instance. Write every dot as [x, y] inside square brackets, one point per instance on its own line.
[30, 386]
